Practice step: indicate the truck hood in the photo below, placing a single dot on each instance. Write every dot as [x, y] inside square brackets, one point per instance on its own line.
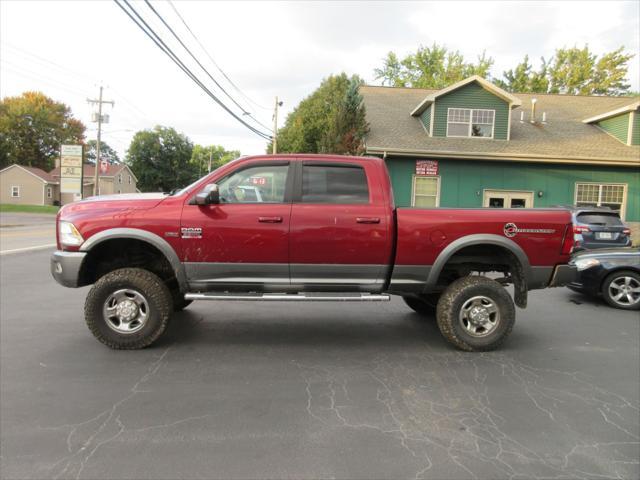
[119, 202]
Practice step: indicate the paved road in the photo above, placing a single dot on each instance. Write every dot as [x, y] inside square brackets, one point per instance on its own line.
[245, 390]
[22, 231]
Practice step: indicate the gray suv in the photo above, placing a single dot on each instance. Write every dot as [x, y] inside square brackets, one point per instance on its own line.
[598, 227]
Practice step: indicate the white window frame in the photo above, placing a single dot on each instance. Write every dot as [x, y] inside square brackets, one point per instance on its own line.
[49, 192]
[130, 179]
[471, 110]
[413, 189]
[15, 189]
[119, 178]
[623, 206]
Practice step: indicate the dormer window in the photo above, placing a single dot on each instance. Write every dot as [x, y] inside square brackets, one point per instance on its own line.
[469, 122]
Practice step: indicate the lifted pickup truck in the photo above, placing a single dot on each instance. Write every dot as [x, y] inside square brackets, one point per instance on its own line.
[304, 228]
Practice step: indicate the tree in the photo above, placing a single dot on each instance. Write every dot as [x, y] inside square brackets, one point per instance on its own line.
[106, 152]
[32, 129]
[523, 79]
[330, 120]
[573, 71]
[161, 159]
[217, 153]
[430, 67]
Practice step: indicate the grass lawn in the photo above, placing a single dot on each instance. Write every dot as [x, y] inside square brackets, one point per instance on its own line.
[4, 207]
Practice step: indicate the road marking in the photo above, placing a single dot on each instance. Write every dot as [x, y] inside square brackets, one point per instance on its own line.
[18, 250]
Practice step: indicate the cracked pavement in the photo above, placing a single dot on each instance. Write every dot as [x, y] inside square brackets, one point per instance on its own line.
[246, 390]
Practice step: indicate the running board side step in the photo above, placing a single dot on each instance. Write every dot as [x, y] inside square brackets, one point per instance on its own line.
[284, 297]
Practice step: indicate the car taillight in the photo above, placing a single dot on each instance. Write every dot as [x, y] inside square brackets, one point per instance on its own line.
[567, 241]
[626, 231]
[580, 229]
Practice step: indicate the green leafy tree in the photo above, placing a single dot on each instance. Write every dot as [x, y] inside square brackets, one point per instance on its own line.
[330, 120]
[524, 79]
[430, 67]
[106, 152]
[573, 71]
[32, 129]
[161, 159]
[216, 153]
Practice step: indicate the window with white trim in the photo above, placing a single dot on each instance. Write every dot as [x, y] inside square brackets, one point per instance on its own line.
[49, 192]
[120, 178]
[15, 191]
[601, 195]
[470, 122]
[129, 179]
[426, 191]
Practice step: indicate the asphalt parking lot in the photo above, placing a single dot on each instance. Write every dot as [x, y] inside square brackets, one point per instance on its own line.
[246, 390]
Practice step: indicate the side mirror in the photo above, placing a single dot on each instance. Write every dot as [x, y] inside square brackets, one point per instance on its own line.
[208, 196]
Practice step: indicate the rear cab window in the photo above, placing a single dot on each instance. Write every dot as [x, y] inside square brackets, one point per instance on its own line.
[334, 184]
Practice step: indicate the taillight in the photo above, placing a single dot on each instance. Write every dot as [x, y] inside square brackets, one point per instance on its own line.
[626, 231]
[581, 229]
[567, 241]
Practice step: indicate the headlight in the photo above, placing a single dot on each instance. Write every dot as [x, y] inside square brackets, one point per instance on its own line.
[69, 235]
[584, 263]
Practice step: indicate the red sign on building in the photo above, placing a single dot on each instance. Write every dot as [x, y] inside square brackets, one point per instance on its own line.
[426, 167]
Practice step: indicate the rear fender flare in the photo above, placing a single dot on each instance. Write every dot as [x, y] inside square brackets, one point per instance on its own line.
[145, 236]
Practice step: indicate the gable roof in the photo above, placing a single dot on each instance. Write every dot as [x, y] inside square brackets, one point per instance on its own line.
[563, 138]
[88, 171]
[613, 113]
[36, 172]
[490, 87]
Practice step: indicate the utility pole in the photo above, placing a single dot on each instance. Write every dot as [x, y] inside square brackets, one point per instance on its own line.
[100, 119]
[274, 143]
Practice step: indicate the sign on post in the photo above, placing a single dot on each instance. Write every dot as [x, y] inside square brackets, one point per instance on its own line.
[71, 169]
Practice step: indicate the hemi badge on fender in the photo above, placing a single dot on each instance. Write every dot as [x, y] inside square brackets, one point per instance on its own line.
[511, 230]
[191, 232]
[171, 234]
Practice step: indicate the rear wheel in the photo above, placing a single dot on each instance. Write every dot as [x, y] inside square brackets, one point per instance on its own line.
[622, 290]
[476, 314]
[128, 308]
[425, 304]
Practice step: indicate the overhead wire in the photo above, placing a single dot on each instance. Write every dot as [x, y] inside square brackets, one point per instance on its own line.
[206, 52]
[244, 111]
[149, 32]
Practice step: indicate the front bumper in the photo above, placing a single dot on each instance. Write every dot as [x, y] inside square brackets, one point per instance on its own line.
[65, 267]
[563, 275]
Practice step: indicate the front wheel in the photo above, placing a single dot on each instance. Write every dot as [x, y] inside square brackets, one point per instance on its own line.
[128, 308]
[476, 314]
[622, 290]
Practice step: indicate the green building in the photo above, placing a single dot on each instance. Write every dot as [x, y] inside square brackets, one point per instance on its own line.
[473, 144]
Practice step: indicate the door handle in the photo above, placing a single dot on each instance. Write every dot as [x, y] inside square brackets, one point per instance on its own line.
[270, 219]
[368, 220]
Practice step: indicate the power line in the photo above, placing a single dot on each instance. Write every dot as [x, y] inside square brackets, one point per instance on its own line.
[212, 60]
[244, 112]
[149, 32]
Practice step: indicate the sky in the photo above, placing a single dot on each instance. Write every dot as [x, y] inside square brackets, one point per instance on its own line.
[67, 49]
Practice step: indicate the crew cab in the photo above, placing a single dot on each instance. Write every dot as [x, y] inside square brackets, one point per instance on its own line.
[297, 228]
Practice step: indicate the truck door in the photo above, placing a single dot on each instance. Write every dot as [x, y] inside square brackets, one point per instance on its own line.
[339, 234]
[244, 240]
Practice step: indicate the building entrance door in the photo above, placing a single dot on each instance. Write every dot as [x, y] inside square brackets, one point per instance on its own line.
[507, 199]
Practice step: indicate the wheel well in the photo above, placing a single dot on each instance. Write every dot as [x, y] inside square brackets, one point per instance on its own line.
[486, 258]
[116, 253]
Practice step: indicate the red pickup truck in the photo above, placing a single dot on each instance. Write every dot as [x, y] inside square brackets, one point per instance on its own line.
[304, 228]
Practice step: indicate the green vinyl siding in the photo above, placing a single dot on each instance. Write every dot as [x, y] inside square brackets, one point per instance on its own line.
[617, 126]
[425, 118]
[462, 181]
[471, 96]
[635, 135]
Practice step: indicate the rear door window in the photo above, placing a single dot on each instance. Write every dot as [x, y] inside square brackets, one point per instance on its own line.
[334, 184]
[600, 219]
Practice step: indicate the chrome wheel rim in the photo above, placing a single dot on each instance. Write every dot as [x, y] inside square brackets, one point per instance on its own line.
[479, 316]
[624, 291]
[126, 311]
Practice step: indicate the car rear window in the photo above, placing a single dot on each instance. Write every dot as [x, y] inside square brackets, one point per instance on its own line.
[604, 219]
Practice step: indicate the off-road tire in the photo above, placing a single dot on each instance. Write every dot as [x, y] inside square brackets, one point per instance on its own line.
[425, 305]
[451, 302]
[607, 282]
[154, 290]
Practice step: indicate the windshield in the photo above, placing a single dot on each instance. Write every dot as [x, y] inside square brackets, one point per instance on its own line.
[180, 191]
